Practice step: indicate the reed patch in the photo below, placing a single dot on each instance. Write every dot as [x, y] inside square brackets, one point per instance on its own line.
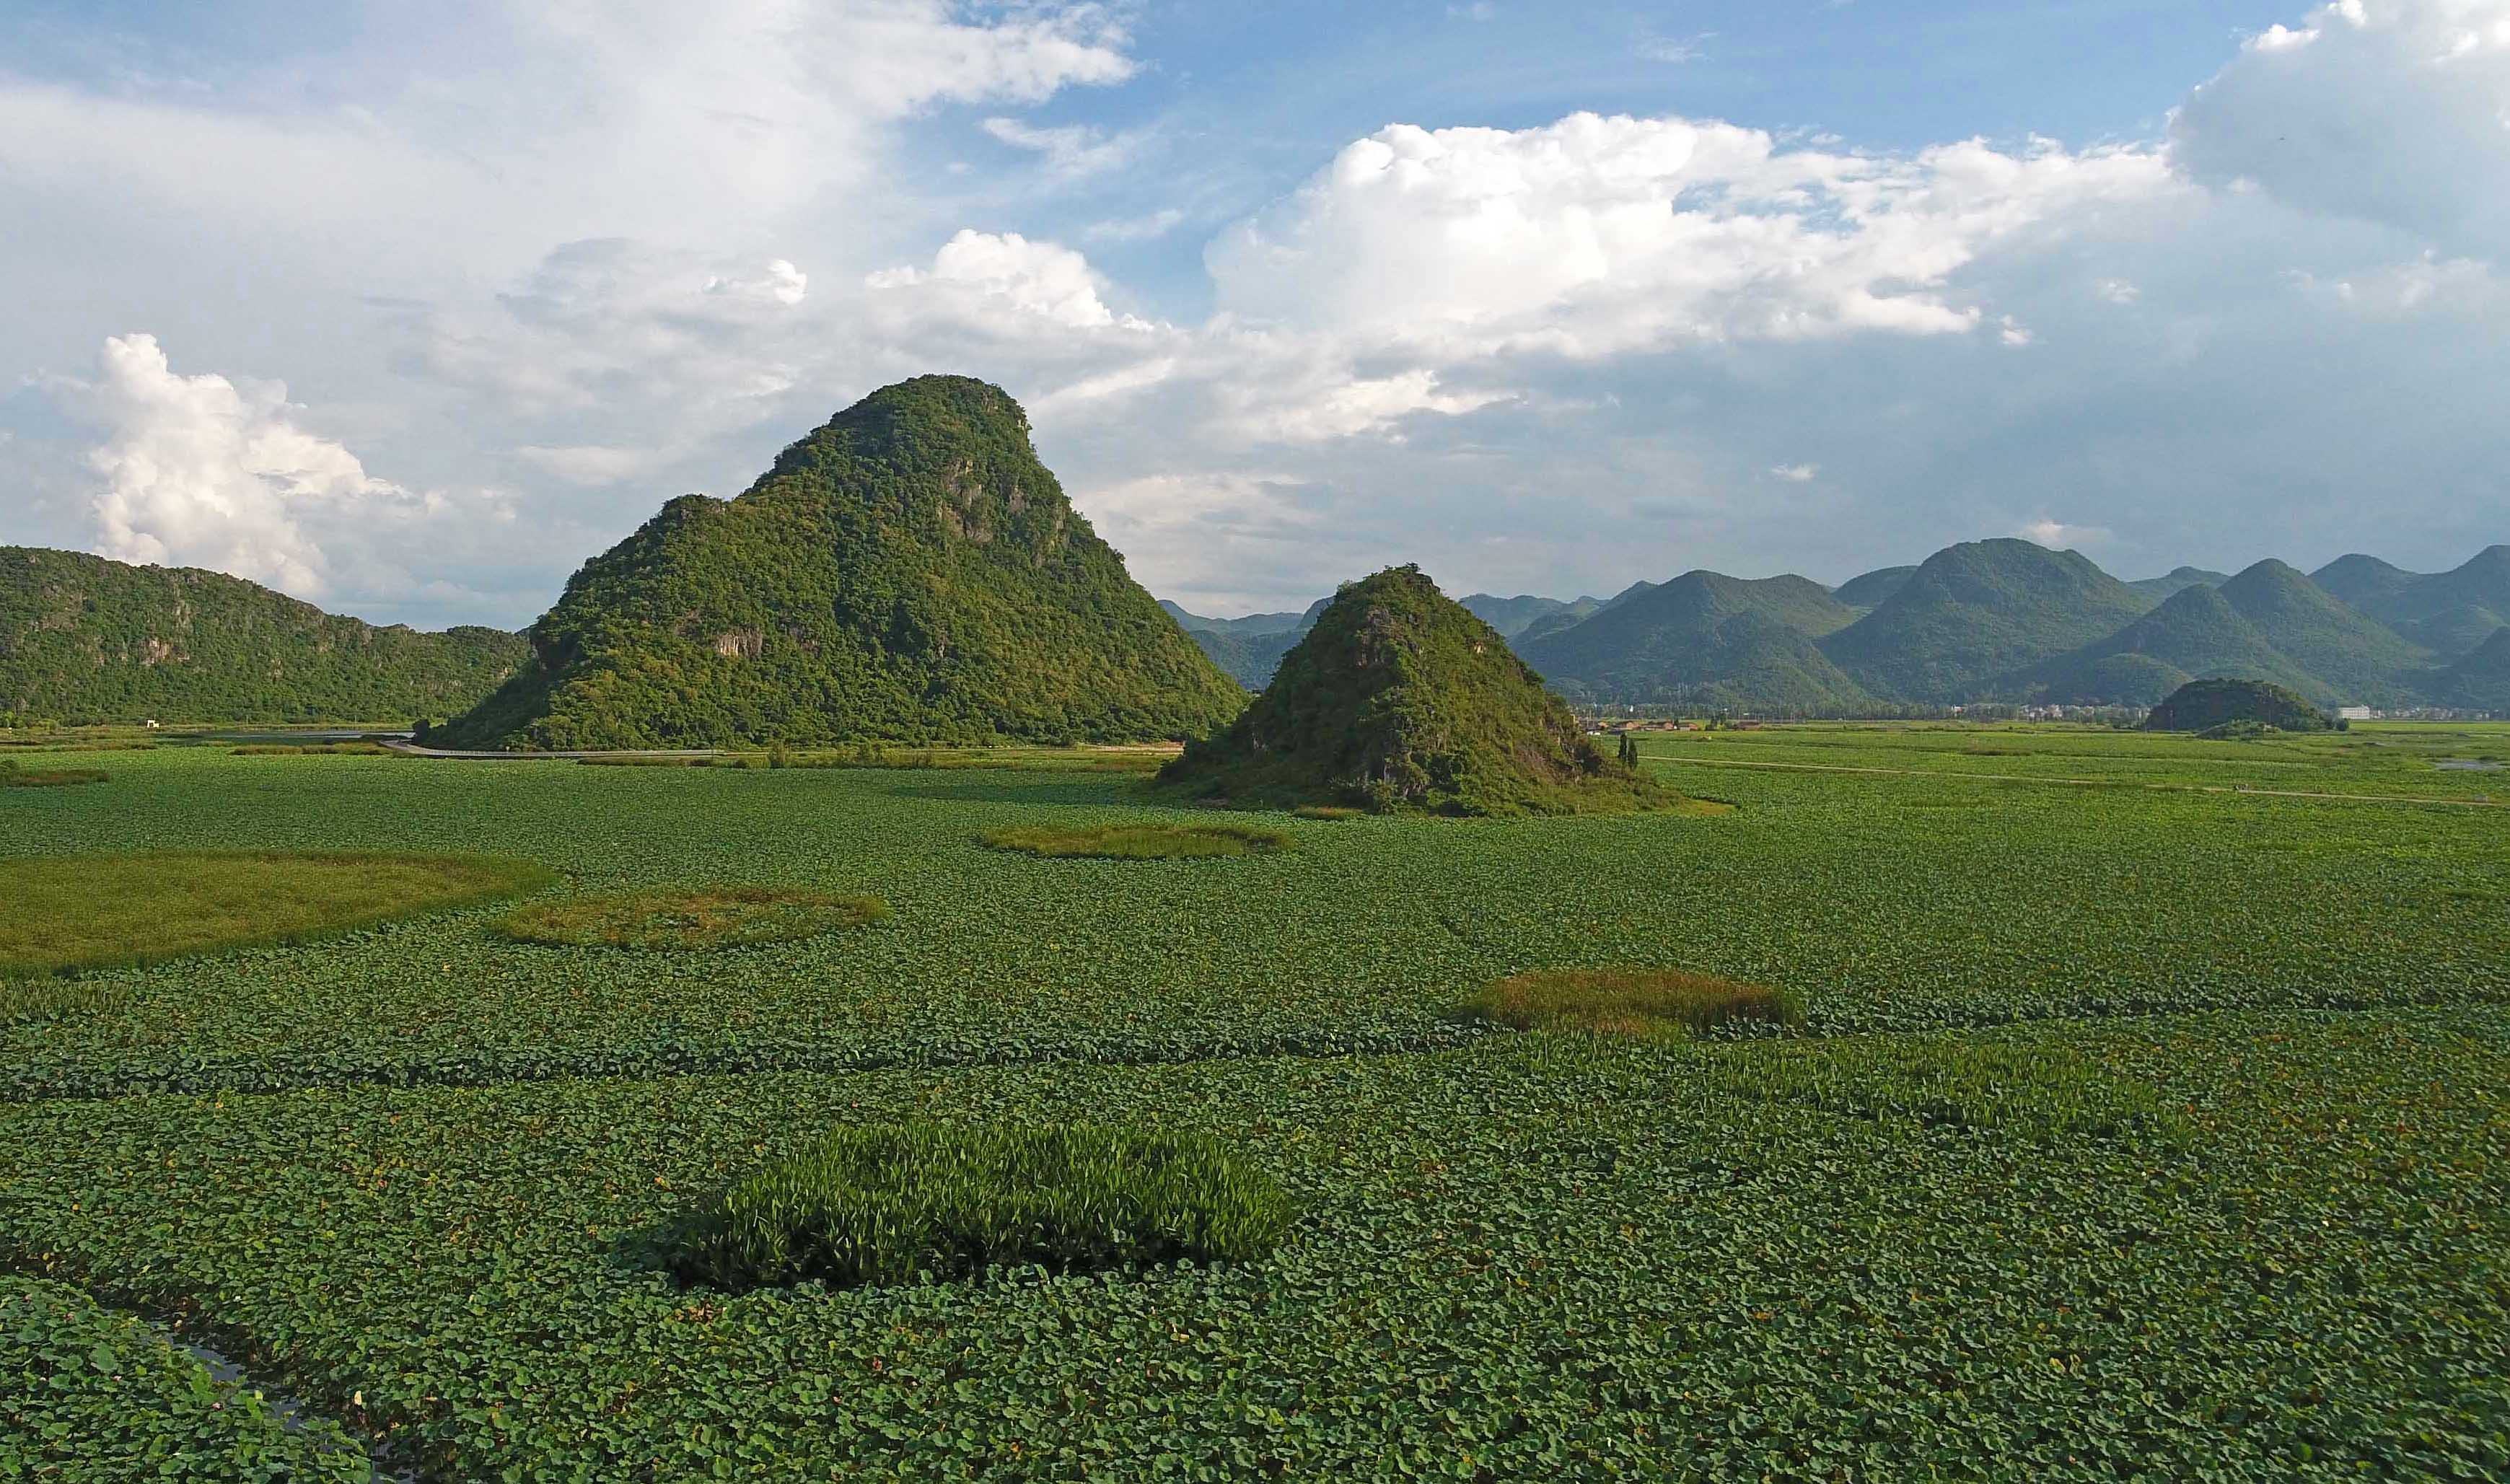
[1631, 1002]
[94, 912]
[1140, 842]
[699, 917]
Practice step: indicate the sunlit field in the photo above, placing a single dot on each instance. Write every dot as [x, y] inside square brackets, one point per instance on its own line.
[1960, 1102]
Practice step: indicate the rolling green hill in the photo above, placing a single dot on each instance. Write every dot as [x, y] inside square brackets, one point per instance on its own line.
[2195, 635]
[908, 571]
[1248, 623]
[1710, 640]
[2478, 681]
[1976, 612]
[1510, 615]
[2446, 612]
[1249, 658]
[1574, 614]
[1929, 634]
[2363, 581]
[2346, 653]
[1248, 649]
[1398, 699]
[1868, 589]
[2482, 581]
[2178, 579]
[1251, 625]
[84, 639]
[2458, 630]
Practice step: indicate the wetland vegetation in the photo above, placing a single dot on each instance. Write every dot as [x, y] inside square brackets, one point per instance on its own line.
[1997, 1135]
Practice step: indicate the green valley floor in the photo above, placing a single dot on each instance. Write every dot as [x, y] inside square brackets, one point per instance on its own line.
[2143, 1123]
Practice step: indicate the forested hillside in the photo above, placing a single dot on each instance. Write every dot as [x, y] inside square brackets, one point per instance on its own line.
[907, 571]
[1708, 639]
[1398, 699]
[2450, 613]
[84, 639]
[2349, 654]
[2195, 635]
[1976, 611]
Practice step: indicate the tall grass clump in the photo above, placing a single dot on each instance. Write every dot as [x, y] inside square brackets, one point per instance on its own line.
[1140, 842]
[1631, 1002]
[924, 1201]
[702, 917]
[25, 1001]
[64, 912]
[14, 776]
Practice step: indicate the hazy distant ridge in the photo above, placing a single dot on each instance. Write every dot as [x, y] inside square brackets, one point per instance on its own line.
[1999, 620]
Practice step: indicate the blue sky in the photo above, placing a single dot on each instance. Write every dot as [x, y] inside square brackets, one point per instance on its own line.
[408, 310]
[1256, 95]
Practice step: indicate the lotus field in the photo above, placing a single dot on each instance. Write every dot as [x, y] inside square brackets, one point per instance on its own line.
[1974, 1104]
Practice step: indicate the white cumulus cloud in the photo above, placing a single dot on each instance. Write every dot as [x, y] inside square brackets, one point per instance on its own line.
[203, 471]
[989, 275]
[779, 283]
[1600, 236]
[1228, 540]
[2393, 111]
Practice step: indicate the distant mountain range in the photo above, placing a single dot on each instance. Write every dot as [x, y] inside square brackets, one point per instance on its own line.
[1993, 621]
[87, 639]
[1251, 648]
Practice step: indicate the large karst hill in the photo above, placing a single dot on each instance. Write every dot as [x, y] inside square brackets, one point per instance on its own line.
[1398, 699]
[84, 639]
[909, 571]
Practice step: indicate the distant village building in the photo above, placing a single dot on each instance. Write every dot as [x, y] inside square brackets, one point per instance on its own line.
[2354, 713]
